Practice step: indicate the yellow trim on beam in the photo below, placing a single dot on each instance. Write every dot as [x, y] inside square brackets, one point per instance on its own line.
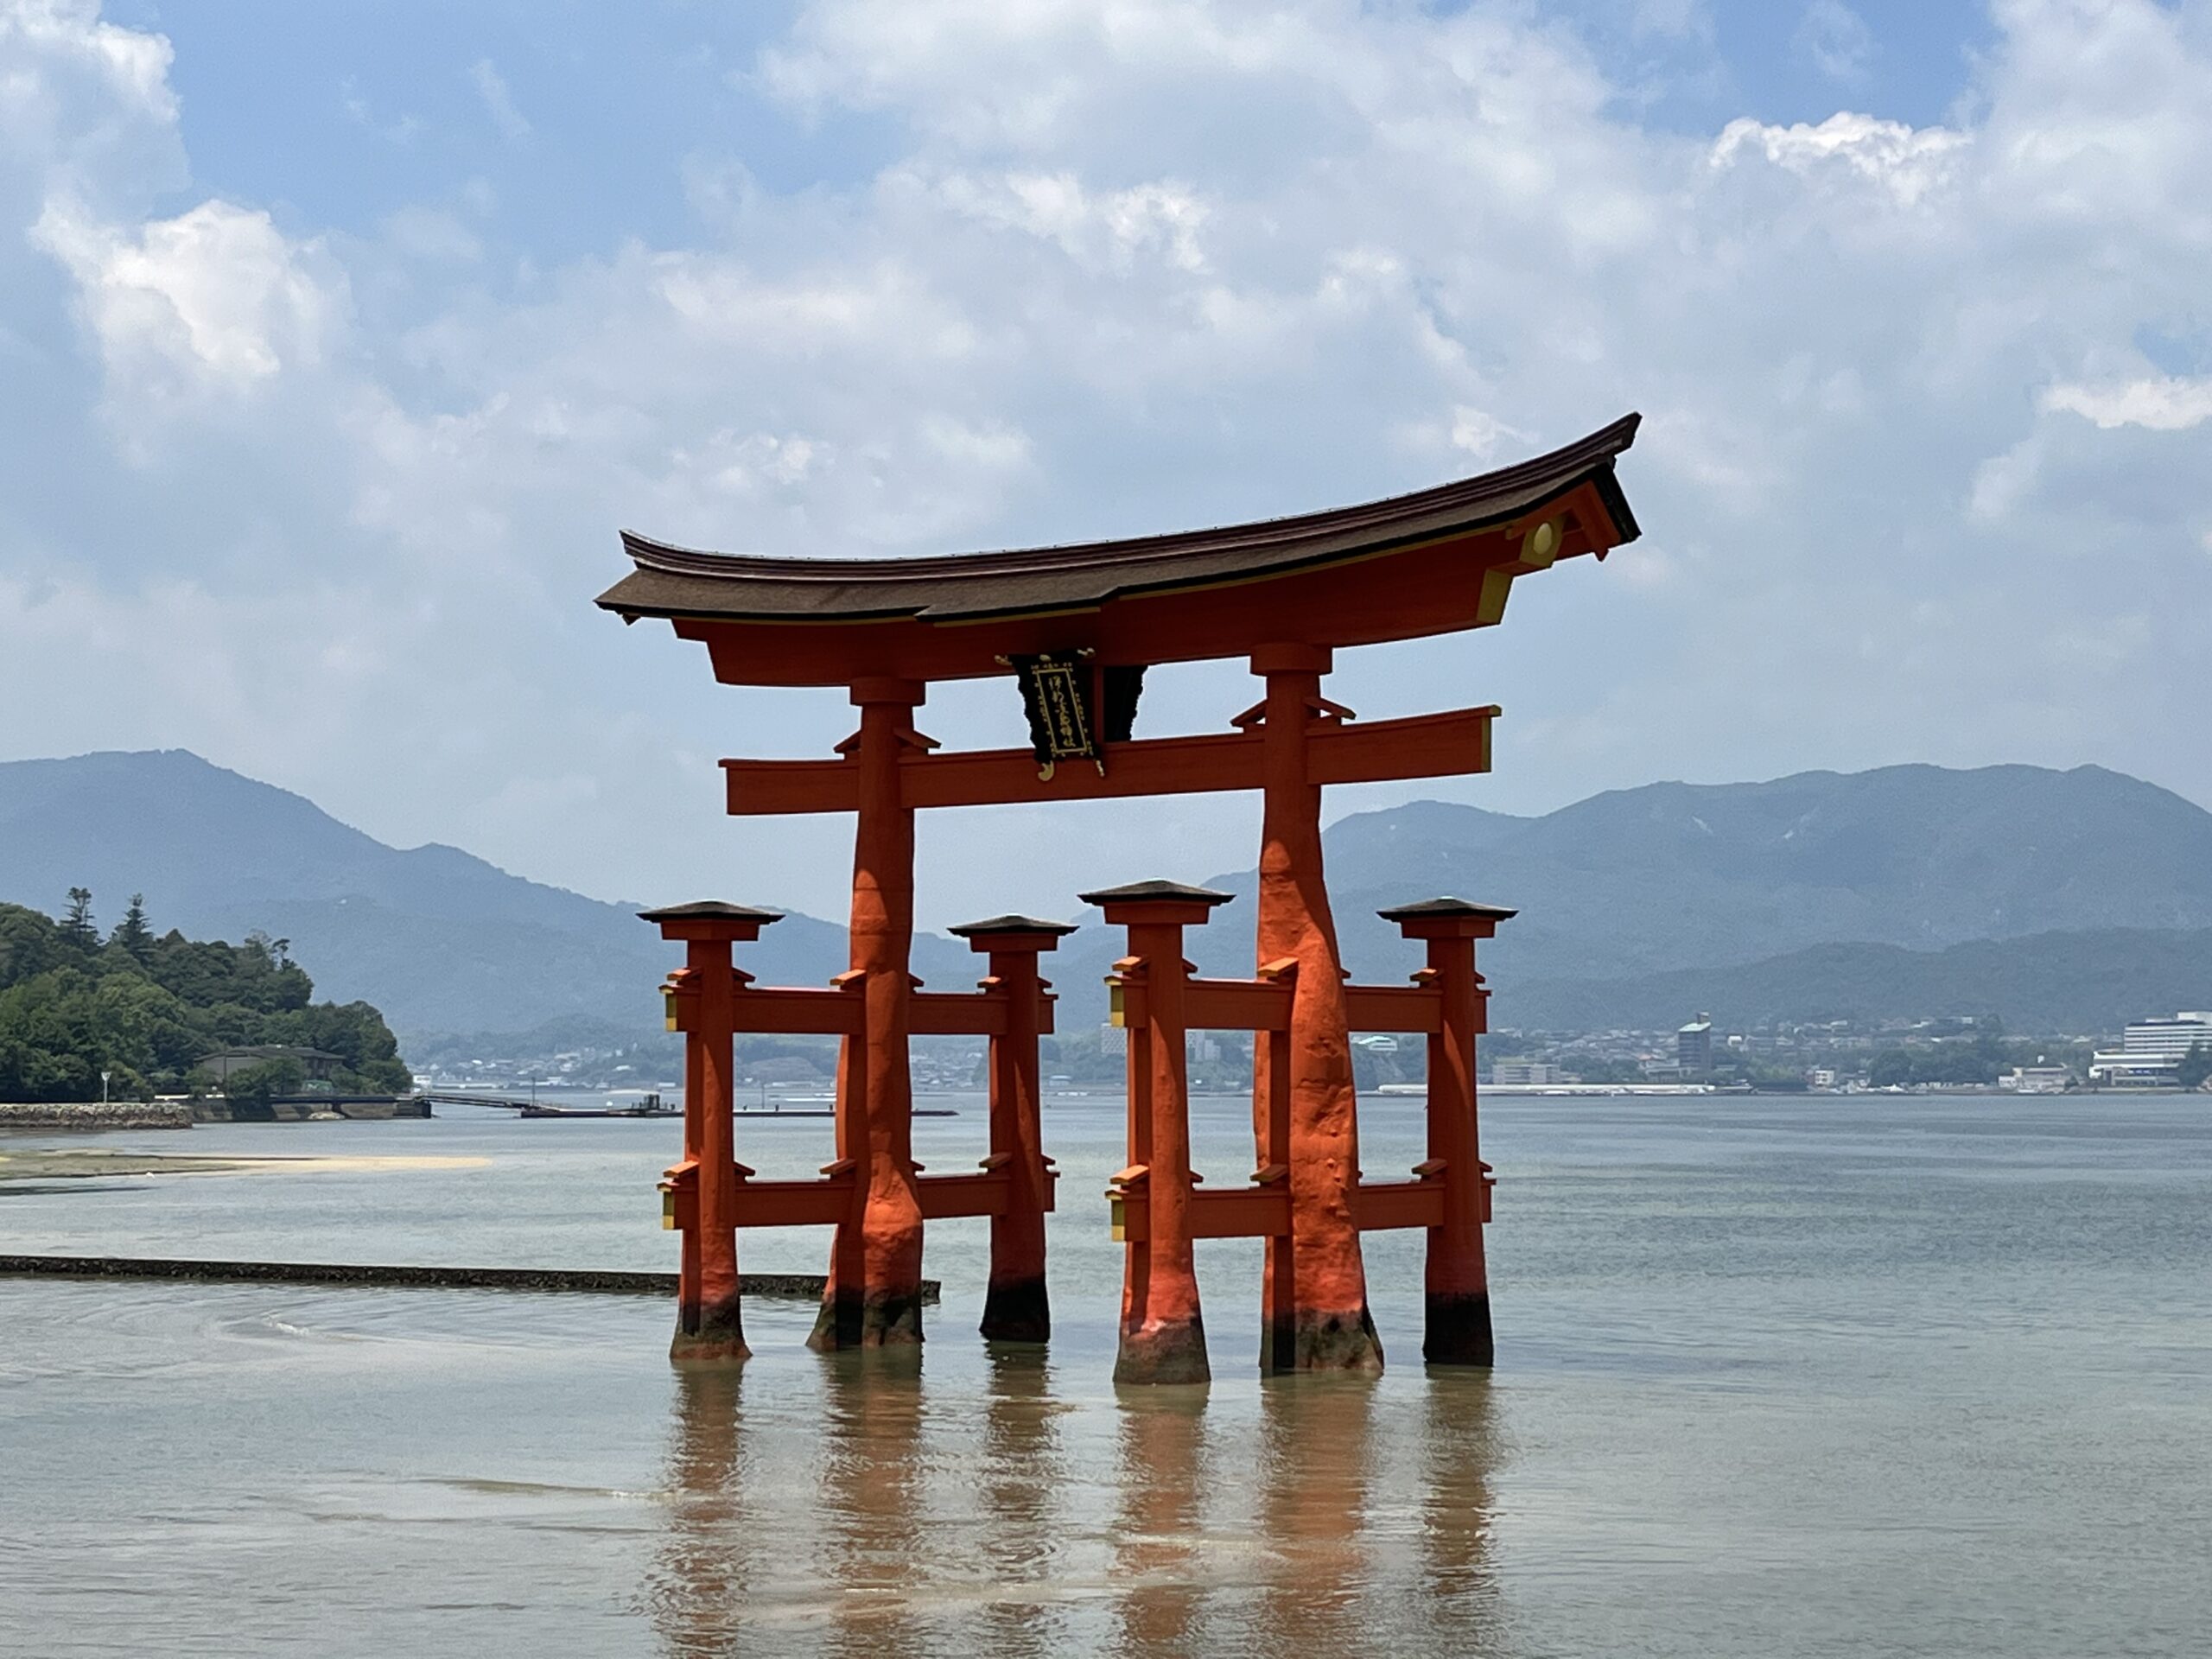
[1490, 604]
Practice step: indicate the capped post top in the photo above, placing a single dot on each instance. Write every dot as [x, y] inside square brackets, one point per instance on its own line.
[709, 919]
[999, 931]
[1447, 918]
[1137, 892]
[1164, 901]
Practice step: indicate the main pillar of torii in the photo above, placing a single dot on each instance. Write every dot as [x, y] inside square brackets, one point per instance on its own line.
[1326, 1327]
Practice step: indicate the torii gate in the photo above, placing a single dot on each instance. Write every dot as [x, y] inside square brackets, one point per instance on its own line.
[1078, 625]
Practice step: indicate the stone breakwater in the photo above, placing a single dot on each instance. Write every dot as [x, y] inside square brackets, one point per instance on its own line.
[95, 1115]
[309, 1108]
[587, 1281]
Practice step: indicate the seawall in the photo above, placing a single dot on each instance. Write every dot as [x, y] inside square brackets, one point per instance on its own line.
[308, 1108]
[95, 1115]
[587, 1281]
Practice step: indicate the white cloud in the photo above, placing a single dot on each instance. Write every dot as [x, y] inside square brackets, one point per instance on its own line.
[499, 101]
[2169, 404]
[1907, 162]
[133, 64]
[218, 293]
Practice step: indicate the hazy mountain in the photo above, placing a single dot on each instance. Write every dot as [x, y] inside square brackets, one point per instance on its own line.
[1678, 875]
[440, 940]
[2081, 984]
[1618, 888]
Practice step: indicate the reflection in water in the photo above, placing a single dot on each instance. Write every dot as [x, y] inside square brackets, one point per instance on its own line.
[1313, 1473]
[871, 1495]
[857, 1515]
[1460, 1447]
[1157, 1557]
[699, 1588]
[1023, 1474]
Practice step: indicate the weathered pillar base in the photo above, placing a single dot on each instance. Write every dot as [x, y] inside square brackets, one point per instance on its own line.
[1017, 1310]
[1458, 1331]
[1317, 1341]
[1162, 1351]
[718, 1340]
[870, 1319]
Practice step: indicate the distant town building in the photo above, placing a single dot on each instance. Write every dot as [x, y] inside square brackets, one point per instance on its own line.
[2139, 1071]
[1524, 1074]
[2167, 1040]
[2151, 1050]
[1693, 1046]
[2036, 1080]
[1820, 1077]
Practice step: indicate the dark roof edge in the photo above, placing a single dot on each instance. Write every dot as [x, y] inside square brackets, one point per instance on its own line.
[1589, 458]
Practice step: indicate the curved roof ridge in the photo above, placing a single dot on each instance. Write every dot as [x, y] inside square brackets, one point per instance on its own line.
[1593, 453]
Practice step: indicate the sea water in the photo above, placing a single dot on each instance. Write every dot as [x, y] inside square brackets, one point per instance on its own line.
[1862, 1376]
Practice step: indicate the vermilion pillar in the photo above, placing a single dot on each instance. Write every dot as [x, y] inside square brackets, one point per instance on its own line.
[885, 1309]
[1458, 1327]
[709, 1325]
[1326, 1327]
[1016, 1307]
[1163, 1338]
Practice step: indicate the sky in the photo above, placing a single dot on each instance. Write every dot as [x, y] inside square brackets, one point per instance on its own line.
[338, 341]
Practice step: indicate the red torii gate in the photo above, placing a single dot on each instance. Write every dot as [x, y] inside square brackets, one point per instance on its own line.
[1080, 624]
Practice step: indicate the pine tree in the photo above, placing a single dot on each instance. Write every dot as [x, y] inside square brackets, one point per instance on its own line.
[131, 933]
[77, 924]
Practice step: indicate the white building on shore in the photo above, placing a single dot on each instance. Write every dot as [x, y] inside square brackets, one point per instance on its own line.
[2151, 1050]
[2170, 1039]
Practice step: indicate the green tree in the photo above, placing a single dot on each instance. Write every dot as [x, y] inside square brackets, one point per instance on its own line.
[77, 921]
[2193, 1066]
[149, 1015]
[132, 935]
[254, 1087]
[1889, 1068]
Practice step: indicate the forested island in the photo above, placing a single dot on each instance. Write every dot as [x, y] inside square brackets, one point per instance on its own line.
[148, 1009]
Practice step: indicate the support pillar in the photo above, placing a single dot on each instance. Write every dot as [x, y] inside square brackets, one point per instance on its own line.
[884, 1309]
[1458, 1327]
[1015, 1307]
[1324, 1325]
[1163, 1336]
[703, 1188]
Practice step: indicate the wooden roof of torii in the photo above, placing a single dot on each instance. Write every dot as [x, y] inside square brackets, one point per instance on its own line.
[1434, 562]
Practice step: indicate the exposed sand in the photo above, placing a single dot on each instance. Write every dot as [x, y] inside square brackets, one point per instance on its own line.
[59, 1165]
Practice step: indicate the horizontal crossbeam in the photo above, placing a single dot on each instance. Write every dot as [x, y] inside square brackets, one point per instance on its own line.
[789, 1011]
[966, 1013]
[794, 1204]
[1394, 1007]
[1449, 745]
[829, 1200]
[1264, 1211]
[1235, 1005]
[1379, 1205]
[1233, 1212]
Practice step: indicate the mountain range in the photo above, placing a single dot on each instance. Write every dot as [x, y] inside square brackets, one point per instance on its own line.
[1783, 897]
[439, 939]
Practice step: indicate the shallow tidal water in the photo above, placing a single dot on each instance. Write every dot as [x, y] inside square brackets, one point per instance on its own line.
[1865, 1375]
